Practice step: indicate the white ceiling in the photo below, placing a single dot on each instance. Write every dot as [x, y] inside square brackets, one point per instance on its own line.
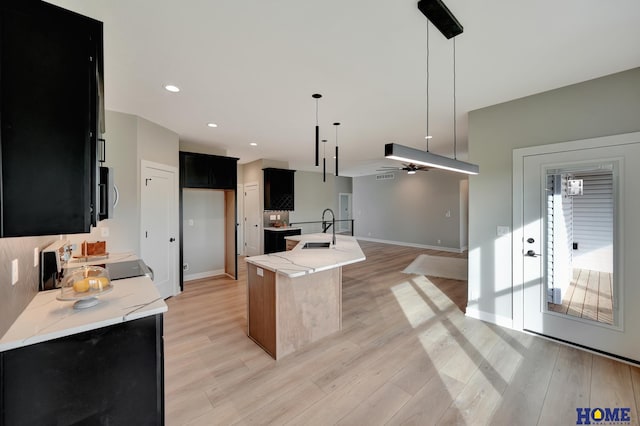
[251, 67]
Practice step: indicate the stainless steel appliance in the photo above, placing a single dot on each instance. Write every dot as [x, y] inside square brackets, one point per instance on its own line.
[51, 260]
[128, 269]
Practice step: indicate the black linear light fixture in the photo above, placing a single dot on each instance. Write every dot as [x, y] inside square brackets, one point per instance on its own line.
[336, 124]
[317, 96]
[440, 16]
[324, 160]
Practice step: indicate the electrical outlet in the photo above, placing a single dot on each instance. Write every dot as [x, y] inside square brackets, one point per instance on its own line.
[36, 257]
[191, 222]
[272, 217]
[185, 267]
[439, 241]
[448, 213]
[104, 231]
[15, 267]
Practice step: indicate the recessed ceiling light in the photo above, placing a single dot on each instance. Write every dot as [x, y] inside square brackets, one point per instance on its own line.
[172, 88]
[212, 125]
[253, 144]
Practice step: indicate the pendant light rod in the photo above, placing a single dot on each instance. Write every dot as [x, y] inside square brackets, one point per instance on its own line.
[336, 124]
[317, 96]
[428, 136]
[324, 160]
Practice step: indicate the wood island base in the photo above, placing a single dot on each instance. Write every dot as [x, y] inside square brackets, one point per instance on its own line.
[286, 313]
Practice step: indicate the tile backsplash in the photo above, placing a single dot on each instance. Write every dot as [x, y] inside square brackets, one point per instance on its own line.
[14, 298]
[267, 221]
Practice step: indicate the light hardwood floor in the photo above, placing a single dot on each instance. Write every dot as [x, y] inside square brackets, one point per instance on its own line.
[406, 355]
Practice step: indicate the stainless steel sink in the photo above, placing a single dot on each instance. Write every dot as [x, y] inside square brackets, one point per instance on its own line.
[316, 245]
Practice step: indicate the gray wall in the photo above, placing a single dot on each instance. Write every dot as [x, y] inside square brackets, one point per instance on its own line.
[312, 195]
[203, 232]
[130, 139]
[410, 209]
[604, 106]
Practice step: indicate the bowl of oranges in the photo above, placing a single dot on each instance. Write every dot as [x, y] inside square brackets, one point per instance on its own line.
[84, 285]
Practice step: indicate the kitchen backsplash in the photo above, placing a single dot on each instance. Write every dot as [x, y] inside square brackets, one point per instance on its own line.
[268, 221]
[14, 298]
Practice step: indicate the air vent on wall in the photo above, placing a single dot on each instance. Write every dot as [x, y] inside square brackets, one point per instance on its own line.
[385, 176]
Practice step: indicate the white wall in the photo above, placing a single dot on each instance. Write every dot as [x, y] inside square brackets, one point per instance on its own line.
[410, 209]
[203, 232]
[604, 106]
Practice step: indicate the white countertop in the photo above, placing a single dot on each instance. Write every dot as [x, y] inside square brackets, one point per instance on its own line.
[282, 228]
[46, 318]
[299, 261]
[76, 262]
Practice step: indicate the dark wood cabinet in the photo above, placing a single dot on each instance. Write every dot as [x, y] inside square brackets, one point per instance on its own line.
[274, 240]
[279, 189]
[112, 375]
[50, 75]
[208, 171]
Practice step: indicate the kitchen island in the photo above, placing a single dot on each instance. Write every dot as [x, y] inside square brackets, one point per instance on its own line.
[99, 365]
[295, 297]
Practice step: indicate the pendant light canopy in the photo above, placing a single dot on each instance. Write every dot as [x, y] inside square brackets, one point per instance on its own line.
[336, 124]
[443, 19]
[317, 96]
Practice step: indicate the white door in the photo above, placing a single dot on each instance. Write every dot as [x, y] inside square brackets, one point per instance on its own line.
[540, 265]
[345, 211]
[252, 219]
[159, 225]
[240, 220]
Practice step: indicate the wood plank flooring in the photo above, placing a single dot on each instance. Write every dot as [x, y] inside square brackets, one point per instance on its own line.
[589, 296]
[406, 355]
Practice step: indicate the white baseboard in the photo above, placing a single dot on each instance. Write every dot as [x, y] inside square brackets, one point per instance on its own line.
[423, 246]
[201, 275]
[500, 320]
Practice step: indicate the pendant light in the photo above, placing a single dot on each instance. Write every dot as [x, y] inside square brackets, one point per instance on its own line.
[317, 96]
[336, 124]
[324, 160]
[428, 136]
[411, 155]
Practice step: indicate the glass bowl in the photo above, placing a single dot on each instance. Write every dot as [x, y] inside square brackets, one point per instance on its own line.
[84, 284]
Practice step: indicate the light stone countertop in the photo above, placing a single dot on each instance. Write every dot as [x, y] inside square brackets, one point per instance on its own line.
[282, 228]
[47, 318]
[299, 261]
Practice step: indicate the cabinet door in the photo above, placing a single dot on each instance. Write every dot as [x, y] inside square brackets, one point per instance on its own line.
[49, 107]
[112, 375]
[279, 189]
[195, 171]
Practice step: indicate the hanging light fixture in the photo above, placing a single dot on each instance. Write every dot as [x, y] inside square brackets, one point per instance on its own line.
[336, 124]
[444, 20]
[324, 160]
[317, 96]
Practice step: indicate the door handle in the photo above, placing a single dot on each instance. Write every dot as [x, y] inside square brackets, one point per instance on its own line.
[532, 253]
[171, 239]
[255, 226]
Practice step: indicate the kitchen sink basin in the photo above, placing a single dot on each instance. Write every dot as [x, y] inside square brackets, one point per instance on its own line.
[316, 245]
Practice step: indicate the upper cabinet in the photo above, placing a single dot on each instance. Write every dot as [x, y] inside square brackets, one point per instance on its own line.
[50, 90]
[278, 189]
[208, 171]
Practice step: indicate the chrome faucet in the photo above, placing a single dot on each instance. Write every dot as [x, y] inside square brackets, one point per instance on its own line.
[333, 223]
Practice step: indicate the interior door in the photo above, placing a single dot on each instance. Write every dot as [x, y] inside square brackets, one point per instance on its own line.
[345, 211]
[541, 265]
[253, 219]
[159, 225]
[240, 223]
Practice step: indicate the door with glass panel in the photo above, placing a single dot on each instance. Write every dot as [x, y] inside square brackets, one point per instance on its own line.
[581, 271]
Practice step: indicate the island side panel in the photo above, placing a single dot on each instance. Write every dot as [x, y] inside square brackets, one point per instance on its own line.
[308, 308]
[261, 311]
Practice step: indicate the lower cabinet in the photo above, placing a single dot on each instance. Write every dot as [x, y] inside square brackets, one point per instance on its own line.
[109, 376]
[274, 240]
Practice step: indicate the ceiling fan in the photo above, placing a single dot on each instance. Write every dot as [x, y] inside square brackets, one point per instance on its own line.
[409, 167]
